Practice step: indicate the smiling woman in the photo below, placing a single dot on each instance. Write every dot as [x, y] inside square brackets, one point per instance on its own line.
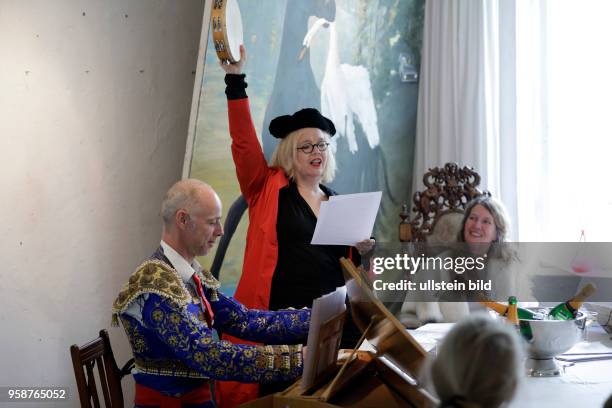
[485, 221]
[479, 226]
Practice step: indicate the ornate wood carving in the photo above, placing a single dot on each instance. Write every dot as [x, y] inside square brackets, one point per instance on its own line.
[449, 189]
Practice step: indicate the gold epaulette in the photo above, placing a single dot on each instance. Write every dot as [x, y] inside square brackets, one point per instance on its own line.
[153, 276]
[210, 282]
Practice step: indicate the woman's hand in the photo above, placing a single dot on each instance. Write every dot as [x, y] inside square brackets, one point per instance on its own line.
[235, 68]
[365, 246]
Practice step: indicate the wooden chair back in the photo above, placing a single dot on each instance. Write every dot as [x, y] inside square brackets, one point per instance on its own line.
[448, 190]
[95, 362]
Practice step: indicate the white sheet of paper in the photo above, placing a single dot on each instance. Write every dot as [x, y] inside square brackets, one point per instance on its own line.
[346, 219]
[323, 309]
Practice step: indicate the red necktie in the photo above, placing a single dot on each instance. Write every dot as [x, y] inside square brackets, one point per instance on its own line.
[208, 313]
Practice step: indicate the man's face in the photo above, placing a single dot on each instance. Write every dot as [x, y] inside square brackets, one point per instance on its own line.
[203, 225]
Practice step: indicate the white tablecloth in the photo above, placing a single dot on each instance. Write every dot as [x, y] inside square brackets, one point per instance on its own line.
[583, 385]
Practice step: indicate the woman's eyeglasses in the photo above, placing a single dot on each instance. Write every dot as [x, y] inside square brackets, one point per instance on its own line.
[309, 148]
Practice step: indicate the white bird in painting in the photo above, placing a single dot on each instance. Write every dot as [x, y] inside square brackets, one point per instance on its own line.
[346, 92]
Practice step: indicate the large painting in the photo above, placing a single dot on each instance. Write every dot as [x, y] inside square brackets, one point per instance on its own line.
[355, 60]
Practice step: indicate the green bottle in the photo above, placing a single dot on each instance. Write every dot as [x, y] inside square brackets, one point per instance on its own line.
[523, 314]
[512, 313]
[522, 326]
[569, 309]
[525, 329]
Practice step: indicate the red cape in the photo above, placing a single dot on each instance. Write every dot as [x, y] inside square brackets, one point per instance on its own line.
[260, 186]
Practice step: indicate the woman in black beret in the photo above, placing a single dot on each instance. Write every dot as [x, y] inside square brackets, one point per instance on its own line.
[281, 268]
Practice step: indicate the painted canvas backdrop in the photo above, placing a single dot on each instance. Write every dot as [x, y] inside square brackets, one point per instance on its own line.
[359, 67]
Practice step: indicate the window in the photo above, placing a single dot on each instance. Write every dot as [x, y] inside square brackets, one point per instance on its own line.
[564, 120]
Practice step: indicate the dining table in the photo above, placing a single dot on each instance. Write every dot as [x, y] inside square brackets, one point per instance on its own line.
[585, 378]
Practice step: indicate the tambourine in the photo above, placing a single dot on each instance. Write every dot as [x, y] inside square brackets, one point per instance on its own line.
[226, 24]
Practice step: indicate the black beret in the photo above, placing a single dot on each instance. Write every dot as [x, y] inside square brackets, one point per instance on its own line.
[305, 118]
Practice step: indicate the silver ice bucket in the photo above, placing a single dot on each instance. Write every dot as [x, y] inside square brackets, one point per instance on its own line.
[548, 339]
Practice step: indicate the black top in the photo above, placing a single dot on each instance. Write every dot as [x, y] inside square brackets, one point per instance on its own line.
[303, 271]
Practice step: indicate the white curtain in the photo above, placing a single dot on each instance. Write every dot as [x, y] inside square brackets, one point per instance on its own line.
[466, 111]
[520, 90]
[563, 119]
[532, 118]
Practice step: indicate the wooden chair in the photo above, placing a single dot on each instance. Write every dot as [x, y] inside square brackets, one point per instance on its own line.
[438, 212]
[98, 353]
[439, 208]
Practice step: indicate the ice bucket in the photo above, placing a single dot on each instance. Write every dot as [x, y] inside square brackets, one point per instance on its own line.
[548, 339]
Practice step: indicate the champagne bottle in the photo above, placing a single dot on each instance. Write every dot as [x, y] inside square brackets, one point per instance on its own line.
[502, 309]
[569, 309]
[512, 313]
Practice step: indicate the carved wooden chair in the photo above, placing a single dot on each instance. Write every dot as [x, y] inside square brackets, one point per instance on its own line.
[98, 353]
[438, 210]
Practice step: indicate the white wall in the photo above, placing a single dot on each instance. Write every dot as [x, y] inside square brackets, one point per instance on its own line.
[94, 109]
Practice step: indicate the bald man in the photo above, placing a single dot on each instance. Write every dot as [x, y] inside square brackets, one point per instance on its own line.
[170, 306]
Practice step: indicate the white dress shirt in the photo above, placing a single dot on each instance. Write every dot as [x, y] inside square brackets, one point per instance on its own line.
[180, 264]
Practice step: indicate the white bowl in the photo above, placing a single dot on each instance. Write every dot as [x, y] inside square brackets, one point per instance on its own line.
[548, 339]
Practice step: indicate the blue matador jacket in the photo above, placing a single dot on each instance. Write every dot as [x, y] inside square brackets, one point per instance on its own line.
[173, 346]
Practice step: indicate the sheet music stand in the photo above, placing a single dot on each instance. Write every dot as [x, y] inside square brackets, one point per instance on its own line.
[326, 353]
[386, 378]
